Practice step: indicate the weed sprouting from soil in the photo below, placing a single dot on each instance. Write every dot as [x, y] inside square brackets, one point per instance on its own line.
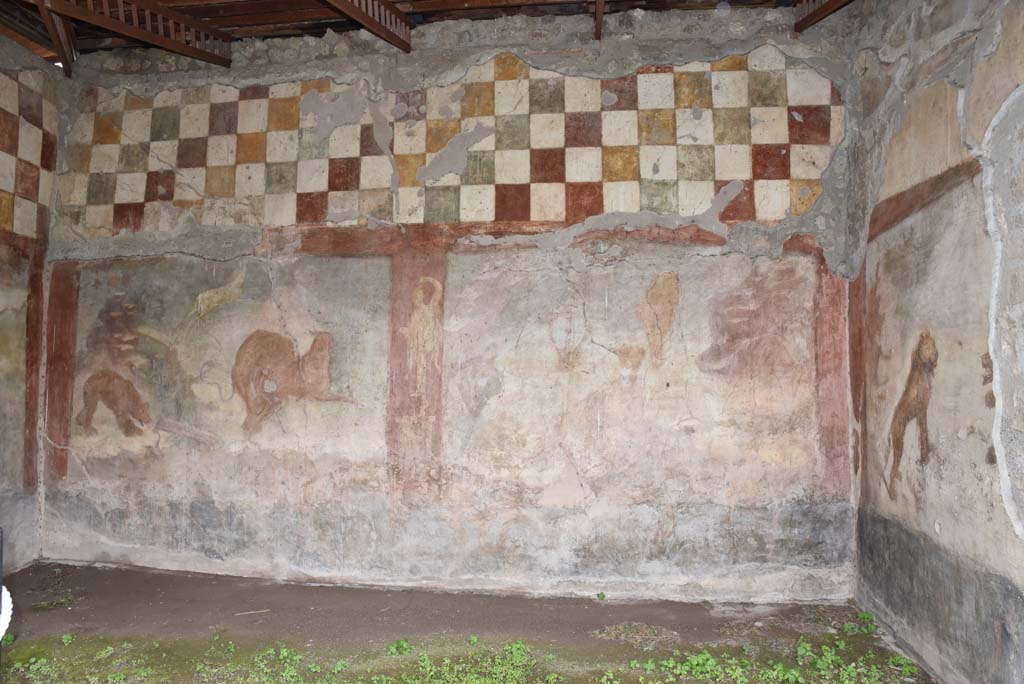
[82, 659]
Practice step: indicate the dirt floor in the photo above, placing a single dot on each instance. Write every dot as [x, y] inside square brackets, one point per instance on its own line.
[63, 611]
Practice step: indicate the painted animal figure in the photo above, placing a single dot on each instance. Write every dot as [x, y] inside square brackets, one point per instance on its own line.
[117, 394]
[268, 369]
[913, 405]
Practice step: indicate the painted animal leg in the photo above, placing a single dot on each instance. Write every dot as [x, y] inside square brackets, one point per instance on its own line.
[897, 456]
[89, 401]
[125, 422]
[922, 426]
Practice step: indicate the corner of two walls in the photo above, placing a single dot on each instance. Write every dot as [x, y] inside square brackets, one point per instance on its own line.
[28, 149]
[933, 327]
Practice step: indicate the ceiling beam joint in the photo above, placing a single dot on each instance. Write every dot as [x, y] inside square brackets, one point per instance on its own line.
[381, 18]
[810, 12]
[149, 22]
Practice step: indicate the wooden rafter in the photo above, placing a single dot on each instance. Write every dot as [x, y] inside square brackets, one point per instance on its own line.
[598, 19]
[61, 35]
[146, 21]
[810, 12]
[381, 18]
[37, 46]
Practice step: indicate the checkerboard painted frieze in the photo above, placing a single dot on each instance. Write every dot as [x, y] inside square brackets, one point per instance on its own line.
[547, 147]
[28, 150]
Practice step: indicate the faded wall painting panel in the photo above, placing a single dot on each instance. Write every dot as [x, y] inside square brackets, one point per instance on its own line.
[931, 504]
[199, 382]
[13, 308]
[930, 462]
[652, 416]
[17, 507]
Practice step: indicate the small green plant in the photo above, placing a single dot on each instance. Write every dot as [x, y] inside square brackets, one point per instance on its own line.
[904, 665]
[474, 640]
[8, 639]
[803, 650]
[66, 639]
[601, 596]
[867, 621]
[400, 647]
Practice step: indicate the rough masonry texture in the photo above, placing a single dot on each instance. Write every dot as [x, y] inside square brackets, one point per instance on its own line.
[526, 311]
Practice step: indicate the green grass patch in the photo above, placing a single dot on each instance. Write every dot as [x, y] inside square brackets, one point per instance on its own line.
[857, 658]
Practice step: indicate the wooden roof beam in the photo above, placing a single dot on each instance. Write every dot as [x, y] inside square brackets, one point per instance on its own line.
[33, 44]
[810, 12]
[61, 35]
[379, 17]
[149, 22]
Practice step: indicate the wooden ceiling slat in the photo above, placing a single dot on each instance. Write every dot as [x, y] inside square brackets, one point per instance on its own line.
[285, 31]
[274, 18]
[253, 7]
[444, 5]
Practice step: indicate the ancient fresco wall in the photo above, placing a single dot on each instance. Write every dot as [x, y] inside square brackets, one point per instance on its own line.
[488, 329]
[644, 417]
[650, 419]
[28, 155]
[506, 142]
[938, 513]
[28, 150]
[208, 396]
[17, 508]
[930, 475]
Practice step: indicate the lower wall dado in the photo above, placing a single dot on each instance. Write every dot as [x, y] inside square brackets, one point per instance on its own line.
[975, 627]
[659, 416]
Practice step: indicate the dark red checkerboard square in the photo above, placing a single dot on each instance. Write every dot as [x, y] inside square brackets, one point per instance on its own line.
[583, 129]
[512, 202]
[8, 133]
[26, 180]
[583, 200]
[547, 166]
[160, 186]
[129, 216]
[368, 146]
[810, 125]
[742, 207]
[254, 92]
[343, 174]
[192, 153]
[770, 162]
[624, 90]
[311, 207]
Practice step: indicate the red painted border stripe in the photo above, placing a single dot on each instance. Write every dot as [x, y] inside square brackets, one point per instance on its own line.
[62, 340]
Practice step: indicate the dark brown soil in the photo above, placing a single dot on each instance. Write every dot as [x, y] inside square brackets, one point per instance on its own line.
[135, 602]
